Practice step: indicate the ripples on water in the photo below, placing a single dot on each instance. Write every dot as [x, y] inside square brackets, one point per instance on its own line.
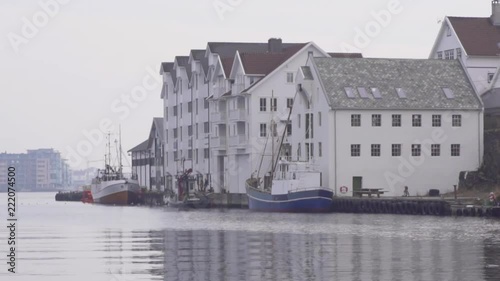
[73, 241]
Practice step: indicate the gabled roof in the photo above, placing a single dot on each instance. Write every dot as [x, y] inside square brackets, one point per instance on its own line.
[166, 67]
[157, 126]
[183, 61]
[265, 63]
[423, 82]
[143, 146]
[491, 100]
[199, 55]
[478, 36]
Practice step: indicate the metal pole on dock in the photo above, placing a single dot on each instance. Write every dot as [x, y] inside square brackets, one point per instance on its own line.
[455, 191]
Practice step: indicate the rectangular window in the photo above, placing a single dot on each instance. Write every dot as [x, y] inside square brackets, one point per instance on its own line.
[190, 130]
[263, 130]
[176, 154]
[274, 129]
[309, 126]
[396, 120]
[308, 151]
[175, 133]
[298, 119]
[205, 104]
[190, 106]
[196, 105]
[490, 77]
[435, 149]
[449, 54]
[355, 150]
[455, 150]
[206, 128]
[376, 120]
[375, 150]
[299, 151]
[312, 150]
[274, 104]
[320, 149]
[355, 120]
[196, 155]
[289, 103]
[206, 153]
[180, 106]
[416, 150]
[190, 154]
[263, 106]
[440, 55]
[396, 150]
[196, 130]
[180, 132]
[459, 53]
[456, 120]
[417, 120]
[289, 77]
[436, 120]
[289, 128]
[448, 31]
[175, 110]
[319, 119]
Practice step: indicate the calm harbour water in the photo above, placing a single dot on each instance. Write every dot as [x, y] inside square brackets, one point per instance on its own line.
[75, 241]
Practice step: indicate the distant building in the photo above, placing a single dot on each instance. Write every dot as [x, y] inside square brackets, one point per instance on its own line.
[387, 123]
[37, 170]
[474, 41]
[83, 177]
[141, 164]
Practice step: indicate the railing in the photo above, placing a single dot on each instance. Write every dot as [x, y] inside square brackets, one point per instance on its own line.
[238, 115]
[217, 117]
[218, 141]
[238, 140]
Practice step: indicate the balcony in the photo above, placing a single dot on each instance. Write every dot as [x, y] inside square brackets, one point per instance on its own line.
[218, 142]
[238, 115]
[238, 140]
[218, 117]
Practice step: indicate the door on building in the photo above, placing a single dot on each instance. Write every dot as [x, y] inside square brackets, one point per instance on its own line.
[357, 184]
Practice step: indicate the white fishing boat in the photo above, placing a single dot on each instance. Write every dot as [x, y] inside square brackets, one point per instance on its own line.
[110, 186]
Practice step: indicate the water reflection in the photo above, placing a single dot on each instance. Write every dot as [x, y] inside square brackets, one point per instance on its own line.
[91, 242]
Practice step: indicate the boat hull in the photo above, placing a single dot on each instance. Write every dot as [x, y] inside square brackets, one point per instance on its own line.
[308, 201]
[118, 192]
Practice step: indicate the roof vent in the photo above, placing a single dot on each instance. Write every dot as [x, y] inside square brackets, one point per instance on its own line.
[401, 93]
[376, 93]
[448, 93]
[350, 92]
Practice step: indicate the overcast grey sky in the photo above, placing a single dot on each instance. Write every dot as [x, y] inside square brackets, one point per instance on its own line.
[65, 75]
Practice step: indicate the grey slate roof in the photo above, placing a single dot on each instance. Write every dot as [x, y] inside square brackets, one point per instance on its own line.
[167, 66]
[422, 80]
[141, 147]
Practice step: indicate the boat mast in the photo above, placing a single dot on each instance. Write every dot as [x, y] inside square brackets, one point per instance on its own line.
[120, 149]
[109, 151]
[272, 134]
[284, 132]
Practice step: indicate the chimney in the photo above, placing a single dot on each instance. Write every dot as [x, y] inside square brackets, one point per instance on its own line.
[495, 14]
[275, 45]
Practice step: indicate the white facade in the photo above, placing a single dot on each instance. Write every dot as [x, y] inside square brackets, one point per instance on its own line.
[334, 134]
[242, 141]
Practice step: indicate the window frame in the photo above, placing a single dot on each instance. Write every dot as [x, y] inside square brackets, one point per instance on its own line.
[355, 150]
[355, 120]
[396, 120]
[376, 150]
[376, 120]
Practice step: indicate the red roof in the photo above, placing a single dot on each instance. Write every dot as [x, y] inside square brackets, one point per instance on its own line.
[478, 35]
[265, 63]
